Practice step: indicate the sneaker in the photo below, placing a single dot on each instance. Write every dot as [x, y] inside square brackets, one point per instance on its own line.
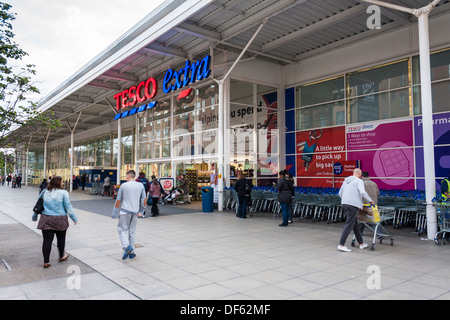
[363, 246]
[132, 255]
[127, 252]
[343, 248]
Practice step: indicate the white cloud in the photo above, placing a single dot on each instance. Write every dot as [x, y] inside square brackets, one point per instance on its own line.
[62, 36]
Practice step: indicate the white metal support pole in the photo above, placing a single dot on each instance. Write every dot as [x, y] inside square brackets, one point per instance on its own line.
[72, 146]
[136, 145]
[45, 160]
[427, 124]
[227, 132]
[119, 149]
[22, 163]
[220, 148]
[45, 153]
[27, 161]
[26, 166]
[15, 163]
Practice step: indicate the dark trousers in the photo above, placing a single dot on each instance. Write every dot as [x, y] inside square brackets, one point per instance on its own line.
[48, 239]
[351, 223]
[285, 212]
[155, 209]
[242, 209]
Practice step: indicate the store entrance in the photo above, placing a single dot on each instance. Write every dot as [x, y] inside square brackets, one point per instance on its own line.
[159, 170]
[199, 174]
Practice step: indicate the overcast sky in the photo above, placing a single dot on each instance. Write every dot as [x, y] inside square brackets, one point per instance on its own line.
[62, 36]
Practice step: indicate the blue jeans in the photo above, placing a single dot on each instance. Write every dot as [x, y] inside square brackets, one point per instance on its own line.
[285, 208]
[242, 209]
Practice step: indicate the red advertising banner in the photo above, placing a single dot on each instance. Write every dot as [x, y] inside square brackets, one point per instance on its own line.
[318, 150]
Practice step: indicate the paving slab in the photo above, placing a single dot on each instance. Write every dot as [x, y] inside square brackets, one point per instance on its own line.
[185, 254]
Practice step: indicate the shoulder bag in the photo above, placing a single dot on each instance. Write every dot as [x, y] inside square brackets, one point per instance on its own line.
[38, 207]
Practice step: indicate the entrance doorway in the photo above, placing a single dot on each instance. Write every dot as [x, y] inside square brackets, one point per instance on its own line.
[199, 174]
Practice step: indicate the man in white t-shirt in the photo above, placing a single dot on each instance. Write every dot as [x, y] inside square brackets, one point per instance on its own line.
[130, 205]
[107, 186]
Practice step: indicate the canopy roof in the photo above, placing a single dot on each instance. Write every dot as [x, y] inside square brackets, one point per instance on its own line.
[187, 29]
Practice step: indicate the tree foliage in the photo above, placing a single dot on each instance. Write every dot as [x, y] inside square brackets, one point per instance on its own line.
[17, 110]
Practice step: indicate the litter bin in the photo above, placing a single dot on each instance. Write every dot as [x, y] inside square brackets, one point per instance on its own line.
[207, 199]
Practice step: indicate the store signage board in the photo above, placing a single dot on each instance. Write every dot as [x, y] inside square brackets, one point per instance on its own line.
[136, 110]
[145, 90]
[173, 80]
[189, 74]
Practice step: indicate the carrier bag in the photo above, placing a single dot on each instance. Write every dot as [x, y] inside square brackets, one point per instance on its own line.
[375, 214]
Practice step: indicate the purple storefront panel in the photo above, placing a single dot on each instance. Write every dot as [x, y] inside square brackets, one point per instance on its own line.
[441, 138]
[441, 129]
[394, 160]
[374, 135]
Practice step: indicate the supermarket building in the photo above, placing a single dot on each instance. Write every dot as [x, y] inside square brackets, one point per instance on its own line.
[209, 87]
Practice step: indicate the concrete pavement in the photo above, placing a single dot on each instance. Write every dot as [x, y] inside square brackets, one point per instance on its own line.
[190, 255]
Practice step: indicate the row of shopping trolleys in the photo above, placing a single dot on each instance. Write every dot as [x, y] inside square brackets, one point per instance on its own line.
[305, 206]
[401, 212]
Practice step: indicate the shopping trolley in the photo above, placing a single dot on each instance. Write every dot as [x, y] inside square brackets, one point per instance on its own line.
[97, 189]
[443, 216]
[116, 188]
[376, 225]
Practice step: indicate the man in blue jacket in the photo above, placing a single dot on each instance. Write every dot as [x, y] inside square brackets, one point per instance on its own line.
[352, 194]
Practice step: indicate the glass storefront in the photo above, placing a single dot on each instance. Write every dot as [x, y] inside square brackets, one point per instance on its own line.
[254, 132]
[343, 118]
[370, 116]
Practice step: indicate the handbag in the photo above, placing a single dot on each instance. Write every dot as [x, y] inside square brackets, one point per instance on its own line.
[150, 201]
[38, 208]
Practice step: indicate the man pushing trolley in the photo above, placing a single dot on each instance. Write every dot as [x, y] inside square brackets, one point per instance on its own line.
[352, 194]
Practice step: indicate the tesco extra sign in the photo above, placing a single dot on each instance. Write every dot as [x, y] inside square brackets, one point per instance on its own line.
[145, 90]
[174, 80]
[148, 90]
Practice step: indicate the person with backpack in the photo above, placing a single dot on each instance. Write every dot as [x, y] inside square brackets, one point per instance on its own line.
[142, 179]
[243, 188]
[285, 191]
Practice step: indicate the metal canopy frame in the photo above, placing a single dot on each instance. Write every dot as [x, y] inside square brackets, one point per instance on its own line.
[182, 29]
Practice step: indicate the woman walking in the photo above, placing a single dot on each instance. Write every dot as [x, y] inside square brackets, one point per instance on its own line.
[155, 193]
[53, 220]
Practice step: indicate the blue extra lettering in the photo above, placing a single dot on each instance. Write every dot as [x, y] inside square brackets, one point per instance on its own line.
[199, 70]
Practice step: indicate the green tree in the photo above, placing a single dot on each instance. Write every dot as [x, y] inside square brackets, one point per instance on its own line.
[16, 86]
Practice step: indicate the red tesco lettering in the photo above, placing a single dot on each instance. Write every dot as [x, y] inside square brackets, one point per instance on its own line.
[145, 90]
